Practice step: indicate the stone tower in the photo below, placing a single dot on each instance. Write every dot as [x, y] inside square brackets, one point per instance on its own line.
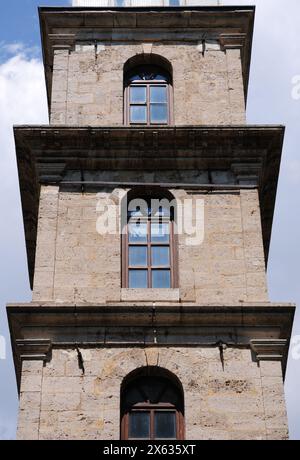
[149, 321]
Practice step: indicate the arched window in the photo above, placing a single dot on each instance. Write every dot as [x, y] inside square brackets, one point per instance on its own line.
[147, 96]
[152, 408]
[149, 252]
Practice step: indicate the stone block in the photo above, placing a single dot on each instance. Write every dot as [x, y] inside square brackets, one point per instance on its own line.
[60, 402]
[169, 295]
[65, 385]
[32, 367]
[31, 383]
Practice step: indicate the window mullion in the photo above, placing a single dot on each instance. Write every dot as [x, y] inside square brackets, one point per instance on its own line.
[127, 256]
[149, 252]
[148, 105]
[168, 104]
[171, 253]
[152, 434]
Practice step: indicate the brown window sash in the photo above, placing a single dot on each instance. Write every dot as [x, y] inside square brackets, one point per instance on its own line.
[152, 409]
[147, 104]
[173, 259]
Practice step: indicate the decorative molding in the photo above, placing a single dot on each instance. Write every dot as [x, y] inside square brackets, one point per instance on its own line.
[61, 41]
[34, 349]
[269, 349]
[246, 173]
[58, 47]
[51, 172]
[182, 324]
[232, 41]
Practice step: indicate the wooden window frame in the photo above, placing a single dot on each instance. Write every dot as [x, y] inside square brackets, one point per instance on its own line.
[152, 408]
[172, 245]
[148, 83]
[175, 404]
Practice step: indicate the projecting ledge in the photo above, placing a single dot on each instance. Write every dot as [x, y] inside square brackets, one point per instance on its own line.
[141, 314]
[156, 295]
[36, 328]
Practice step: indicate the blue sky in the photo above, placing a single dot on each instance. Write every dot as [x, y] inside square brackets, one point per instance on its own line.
[19, 20]
[275, 61]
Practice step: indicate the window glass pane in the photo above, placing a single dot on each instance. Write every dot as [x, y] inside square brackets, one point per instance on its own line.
[160, 256]
[138, 114]
[138, 94]
[160, 232]
[139, 425]
[158, 113]
[138, 256]
[138, 207]
[158, 94]
[164, 211]
[160, 211]
[165, 425]
[138, 279]
[161, 279]
[137, 232]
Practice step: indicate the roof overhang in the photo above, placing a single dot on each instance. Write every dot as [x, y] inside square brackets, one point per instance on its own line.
[46, 153]
[62, 27]
[37, 328]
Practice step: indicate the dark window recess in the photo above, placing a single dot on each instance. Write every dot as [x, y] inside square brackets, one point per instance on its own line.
[152, 408]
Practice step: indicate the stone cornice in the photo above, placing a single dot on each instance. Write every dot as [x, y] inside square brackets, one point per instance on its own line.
[62, 27]
[269, 349]
[232, 41]
[46, 153]
[34, 349]
[28, 349]
[263, 327]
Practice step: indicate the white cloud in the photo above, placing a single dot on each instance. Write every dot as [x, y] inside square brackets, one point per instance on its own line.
[22, 90]
[22, 101]
[17, 49]
[12, 48]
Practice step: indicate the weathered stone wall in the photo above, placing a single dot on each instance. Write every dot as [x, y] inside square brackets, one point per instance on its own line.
[75, 263]
[88, 83]
[242, 401]
[229, 397]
